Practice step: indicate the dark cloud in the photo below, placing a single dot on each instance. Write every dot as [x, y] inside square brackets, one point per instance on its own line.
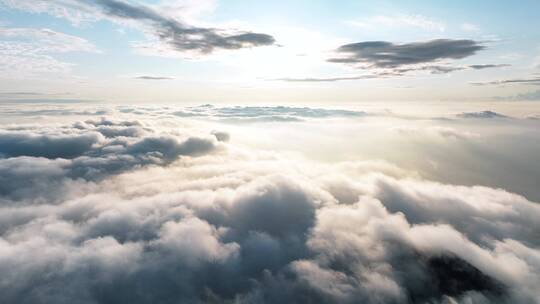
[487, 66]
[221, 136]
[154, 78]
[481, 114]
[90, 150]
[180, 36]
[382, 54]
[454, 277]
[402, 59]
[49, 146]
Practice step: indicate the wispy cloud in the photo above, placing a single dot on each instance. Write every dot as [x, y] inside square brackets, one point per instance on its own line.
[532, 81]
[339, 78]
[400, 21]
[29, 51]
[402, 71]
[527, 96]
[469, 27]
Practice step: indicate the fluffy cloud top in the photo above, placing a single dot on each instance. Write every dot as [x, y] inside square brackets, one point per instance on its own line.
[119, 210]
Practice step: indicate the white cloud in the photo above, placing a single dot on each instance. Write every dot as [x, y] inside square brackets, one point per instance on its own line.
[194, 223]
[444, 132]
[469, 27]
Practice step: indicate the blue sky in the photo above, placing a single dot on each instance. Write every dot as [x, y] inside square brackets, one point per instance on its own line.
[99, 54]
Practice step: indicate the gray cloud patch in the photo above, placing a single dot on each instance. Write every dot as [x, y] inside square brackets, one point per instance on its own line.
[221, 136]
[382, 54]
[154, 77]
[90, 150]
[49, 146]
[528, 96]
[21, 94]
[482, 114]
[487, 66]
[182, 37]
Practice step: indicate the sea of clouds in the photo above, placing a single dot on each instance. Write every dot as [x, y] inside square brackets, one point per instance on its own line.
[173, 205]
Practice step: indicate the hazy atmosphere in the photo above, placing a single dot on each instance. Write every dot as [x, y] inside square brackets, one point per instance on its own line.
[212, 151]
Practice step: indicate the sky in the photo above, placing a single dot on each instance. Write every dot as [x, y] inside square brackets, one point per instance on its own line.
[280, 52]
[261, 152]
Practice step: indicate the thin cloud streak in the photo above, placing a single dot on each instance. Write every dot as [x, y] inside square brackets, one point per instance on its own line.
[146, 77]
[531, 81]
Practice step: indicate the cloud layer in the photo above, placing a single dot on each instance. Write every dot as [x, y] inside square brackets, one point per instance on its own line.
[144, 211]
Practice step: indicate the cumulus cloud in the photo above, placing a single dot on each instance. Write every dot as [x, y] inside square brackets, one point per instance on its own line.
[90, 150]
[182, 216]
